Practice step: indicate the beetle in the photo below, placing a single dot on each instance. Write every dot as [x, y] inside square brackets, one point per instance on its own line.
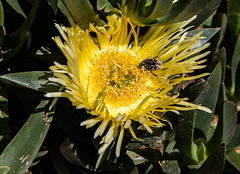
[150, 64]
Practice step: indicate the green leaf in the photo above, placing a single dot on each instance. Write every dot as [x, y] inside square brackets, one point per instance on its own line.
[70, 152]
[180, 10]
[1, 15]
[235, 91]
[207, 34]
[20, 152]
[21, 38]
[150, 148]
[170, 167]
[1, 24]
[101, 4]
[16, 7]
[128, 166]
[206, 12]
[233, 157]
[86, 151]
[225, 127]
[230, 120]
[65, 11]
[214, 163]
[184, 136]
[221, 56]
[59, 162]
[160, 8]
[203, 119]
[201, 151]
[190, 10]
[36, 80]
[233, 11]
[153, 169]
[1, 36]
[235, 141]
[135, 158]
[219, 20]
[4, 169]
[196, 92]
[81, 12]
[53, 4]
[104, 4]
[4, 118]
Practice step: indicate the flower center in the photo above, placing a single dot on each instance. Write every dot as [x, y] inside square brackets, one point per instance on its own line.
[116, 71]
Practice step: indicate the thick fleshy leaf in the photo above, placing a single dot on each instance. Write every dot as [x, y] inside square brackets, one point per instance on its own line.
[1, 35]
[155, 12]
[128, 166]
[36, 80]
[233, 10]
[53, 4]
[230, 120]
[233, 157]
[4, 169]
[20, 152]
[207, 34]
[101, 4]
[221, 56]
[203, 119]
[1, 24]
[104, 4]
[59, 162]
[1, 15]
[135, 158]
[184, 136]
[206, 12]
[214, 163]
[235, 141]
[70, 152]
[21, 38]
[15, 5]
[225, 127]
[150, 148]
[4, 118]
[81, 11]
[86, 153]
[170, 166]
[219, 20]
[160, 8]
[190, 10]
[153, 169]
[73, 152]
[235, 69]
[65, 11]
[196, 92]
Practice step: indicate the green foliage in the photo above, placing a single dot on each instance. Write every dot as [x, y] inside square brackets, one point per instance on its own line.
[36, 80]
[21, 151]
[79, 12]
[15, 5]
[162, 11]
[4, 119]
[193, 142]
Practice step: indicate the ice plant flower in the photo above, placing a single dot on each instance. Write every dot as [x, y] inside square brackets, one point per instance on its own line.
[104, 76]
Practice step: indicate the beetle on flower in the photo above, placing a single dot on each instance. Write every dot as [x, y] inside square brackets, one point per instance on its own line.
[103, 76]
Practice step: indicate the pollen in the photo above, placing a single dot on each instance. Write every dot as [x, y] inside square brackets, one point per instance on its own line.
[116, 71]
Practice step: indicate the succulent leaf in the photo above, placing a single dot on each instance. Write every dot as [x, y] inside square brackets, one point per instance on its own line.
[36, 80]
[21, 151]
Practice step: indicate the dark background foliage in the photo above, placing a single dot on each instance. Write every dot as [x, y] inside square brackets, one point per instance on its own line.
[34, 139]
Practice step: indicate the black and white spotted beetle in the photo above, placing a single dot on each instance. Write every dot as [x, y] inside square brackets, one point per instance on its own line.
[150, 65]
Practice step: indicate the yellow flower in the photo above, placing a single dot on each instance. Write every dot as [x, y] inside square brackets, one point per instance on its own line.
[108, 75]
